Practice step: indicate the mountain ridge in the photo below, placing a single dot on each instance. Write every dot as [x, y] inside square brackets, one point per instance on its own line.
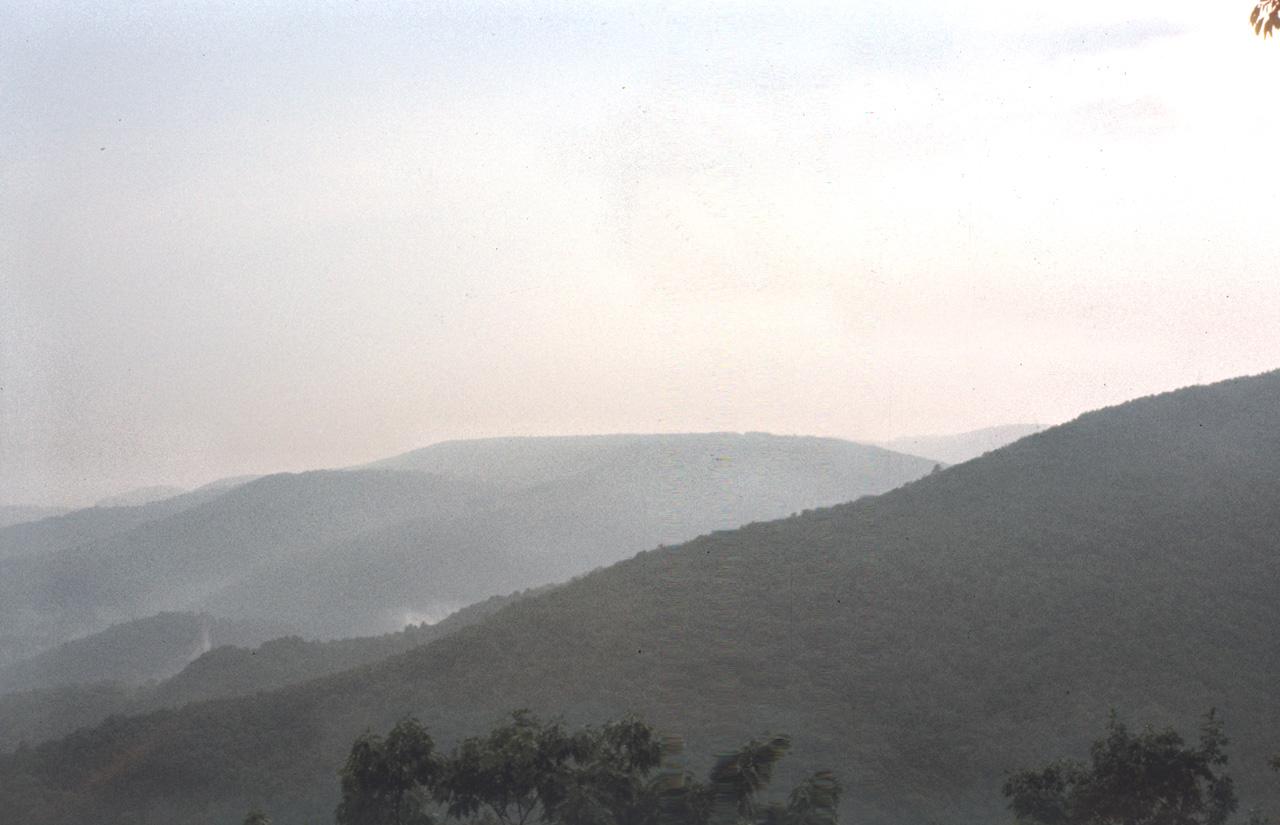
[958, 448]
[920, 642]
[247, 550]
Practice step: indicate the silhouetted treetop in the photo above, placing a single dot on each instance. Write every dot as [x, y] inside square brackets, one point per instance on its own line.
[1266, 17]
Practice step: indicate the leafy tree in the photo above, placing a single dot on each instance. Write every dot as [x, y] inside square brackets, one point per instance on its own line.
[257, 817]
[518, 766]
[525, 767]
[1148, 778]
[386, 782]
[737, 777]
[526, 770]
[610, 781]
[813, 802]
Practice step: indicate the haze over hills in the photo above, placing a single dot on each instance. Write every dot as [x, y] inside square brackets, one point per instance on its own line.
[11, 514]
[961, 447]
[366, 551]
[920, 643]
[756, 458]
[85, 681]
[134, 652]
[67, 530]
[176, 562]
[142, 495]
[57, 536]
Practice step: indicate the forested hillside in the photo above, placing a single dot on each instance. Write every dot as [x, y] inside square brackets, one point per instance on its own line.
[920, 643]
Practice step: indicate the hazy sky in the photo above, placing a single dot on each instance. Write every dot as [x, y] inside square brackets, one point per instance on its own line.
[243, 237]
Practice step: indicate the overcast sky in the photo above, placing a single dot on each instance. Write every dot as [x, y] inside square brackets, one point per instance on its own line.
[251, 237]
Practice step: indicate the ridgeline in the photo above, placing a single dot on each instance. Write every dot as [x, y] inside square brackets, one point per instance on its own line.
[920, 643]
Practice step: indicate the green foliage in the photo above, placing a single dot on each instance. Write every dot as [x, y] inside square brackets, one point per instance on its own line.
[511, 771]
[527, 770]
[386, 781]
[737, 777]
[1148, 778]
[608, 785]
[525, 767]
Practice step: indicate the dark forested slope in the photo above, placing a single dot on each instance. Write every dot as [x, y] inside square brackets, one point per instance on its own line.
[920, 643]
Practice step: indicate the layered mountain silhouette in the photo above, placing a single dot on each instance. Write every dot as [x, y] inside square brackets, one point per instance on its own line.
[369, 550]
[983, 618]
[961, 447]
[134, 652]
[122, 670]
[11, 514]
[141, 495]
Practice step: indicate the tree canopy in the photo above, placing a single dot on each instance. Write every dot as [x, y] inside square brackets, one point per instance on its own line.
[388, 780]
[527, 770]
[1147, 778]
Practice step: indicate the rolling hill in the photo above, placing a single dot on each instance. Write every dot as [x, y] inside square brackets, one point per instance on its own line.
[88, 680]
[177, 562]
[367, 551]
[141, 496]
[134, 652]
[920, 643]
[63, 531]
[11, 514]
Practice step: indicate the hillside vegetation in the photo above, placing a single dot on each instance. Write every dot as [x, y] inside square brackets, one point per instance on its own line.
[920, 643]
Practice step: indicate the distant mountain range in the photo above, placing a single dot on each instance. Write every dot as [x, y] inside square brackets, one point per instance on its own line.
[959, 448]
[134, 652]
[140, 496]
[11, 514]
[983, 618]
[61, 531]
[369, 550]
